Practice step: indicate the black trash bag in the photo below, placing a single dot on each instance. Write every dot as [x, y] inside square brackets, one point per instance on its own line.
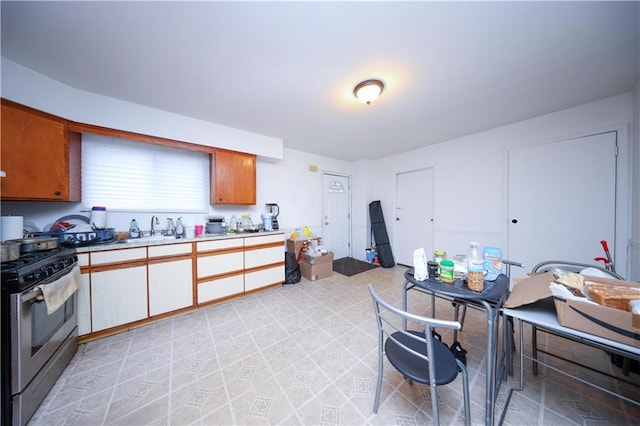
[292, 274]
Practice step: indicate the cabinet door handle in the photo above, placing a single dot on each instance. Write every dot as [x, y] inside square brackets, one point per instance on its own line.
[58, 193]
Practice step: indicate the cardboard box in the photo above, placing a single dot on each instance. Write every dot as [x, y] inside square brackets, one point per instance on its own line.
[610, 323]
[294, 246]
[317, 268]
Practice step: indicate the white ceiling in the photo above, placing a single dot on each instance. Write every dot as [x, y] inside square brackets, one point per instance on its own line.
[287, 69]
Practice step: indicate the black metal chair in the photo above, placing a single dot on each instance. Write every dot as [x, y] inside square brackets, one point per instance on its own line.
[416, 354]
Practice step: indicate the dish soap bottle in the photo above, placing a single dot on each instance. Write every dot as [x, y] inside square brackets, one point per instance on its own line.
[475, 270]
[134, 230]
[171, 229]
[179, 228]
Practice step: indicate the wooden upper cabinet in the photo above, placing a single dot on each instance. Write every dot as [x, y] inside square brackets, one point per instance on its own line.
[40, 156]
[233, 177]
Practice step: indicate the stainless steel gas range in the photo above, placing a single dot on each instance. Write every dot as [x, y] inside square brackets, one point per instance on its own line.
[36, 345]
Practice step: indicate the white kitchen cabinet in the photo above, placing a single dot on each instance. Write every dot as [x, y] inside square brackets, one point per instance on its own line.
[104, 258]
[83, 299]
[128, 287]
[220, 266]
[263, 261]
[219, 288]
[170, 278]
[263, 278]
[118, 296]
[118, 287]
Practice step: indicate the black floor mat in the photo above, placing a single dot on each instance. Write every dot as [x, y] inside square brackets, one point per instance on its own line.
[349, 266]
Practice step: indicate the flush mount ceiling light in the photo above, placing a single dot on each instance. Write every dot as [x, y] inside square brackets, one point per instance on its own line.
[368, 91]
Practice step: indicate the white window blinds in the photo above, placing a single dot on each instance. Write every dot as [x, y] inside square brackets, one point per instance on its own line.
[127, 175]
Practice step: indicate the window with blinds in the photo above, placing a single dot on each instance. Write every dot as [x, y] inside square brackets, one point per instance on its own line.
[134, 176]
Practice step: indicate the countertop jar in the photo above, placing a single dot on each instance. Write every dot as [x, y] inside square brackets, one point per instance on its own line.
[439, 256]
[447, 271]
[98, 217]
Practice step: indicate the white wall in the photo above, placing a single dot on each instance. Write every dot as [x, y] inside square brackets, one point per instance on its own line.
[481, 158]
[38, 91]
[298, 191]
[634, 241]
[287, 182]
[284, 177]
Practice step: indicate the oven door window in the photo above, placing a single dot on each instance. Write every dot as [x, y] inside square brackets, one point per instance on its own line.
[44, 326]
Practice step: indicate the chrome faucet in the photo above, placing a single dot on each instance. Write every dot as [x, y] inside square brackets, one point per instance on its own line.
[154, 221]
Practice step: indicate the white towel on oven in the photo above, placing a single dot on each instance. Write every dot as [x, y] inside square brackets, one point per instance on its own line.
[57, 292]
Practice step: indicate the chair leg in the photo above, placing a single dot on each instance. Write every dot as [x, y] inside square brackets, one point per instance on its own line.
[534, 349]
[376, 400]
[465, 389]
[456, 315]
[626, 366]
[464, 313]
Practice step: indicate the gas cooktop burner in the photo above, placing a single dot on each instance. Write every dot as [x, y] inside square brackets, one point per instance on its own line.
[32, 267]
[28, 258]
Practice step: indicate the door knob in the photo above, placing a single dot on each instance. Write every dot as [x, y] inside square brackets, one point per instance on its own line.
[514, 220]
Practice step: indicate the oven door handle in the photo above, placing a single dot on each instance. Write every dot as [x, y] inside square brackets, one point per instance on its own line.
[32, 296]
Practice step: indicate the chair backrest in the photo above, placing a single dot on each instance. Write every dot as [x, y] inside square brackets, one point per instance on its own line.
[390, 321]
[550, 265]
[416, 353]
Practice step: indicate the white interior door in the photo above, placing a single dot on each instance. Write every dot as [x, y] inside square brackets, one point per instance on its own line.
[336, 214]
[562, 200]
[414, 214]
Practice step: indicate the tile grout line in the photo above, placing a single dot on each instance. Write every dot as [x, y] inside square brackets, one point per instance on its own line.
[170, 385]
[116, 383]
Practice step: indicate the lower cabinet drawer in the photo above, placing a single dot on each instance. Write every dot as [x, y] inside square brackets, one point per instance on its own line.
[263, 278]
[219, 288]
[220, 264]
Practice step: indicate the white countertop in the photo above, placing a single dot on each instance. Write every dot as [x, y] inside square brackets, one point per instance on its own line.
[206, 237]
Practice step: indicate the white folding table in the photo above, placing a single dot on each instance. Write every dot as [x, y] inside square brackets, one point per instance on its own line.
[542, 314]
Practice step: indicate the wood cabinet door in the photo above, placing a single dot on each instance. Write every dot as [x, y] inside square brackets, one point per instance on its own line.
[36, 154]
[233, 178]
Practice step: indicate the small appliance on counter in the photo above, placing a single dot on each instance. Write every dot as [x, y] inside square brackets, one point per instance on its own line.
[274, 209]
[214, 225]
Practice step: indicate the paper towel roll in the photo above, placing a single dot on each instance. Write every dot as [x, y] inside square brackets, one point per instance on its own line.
[11, 228]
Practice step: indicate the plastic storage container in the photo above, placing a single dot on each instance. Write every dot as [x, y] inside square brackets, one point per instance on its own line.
[475, 270]
[267, 221]
[99, 217]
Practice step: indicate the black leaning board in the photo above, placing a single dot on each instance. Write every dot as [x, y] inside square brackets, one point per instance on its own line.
[380, 237]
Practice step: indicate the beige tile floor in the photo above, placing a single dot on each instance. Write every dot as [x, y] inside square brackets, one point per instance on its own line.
[301, 354]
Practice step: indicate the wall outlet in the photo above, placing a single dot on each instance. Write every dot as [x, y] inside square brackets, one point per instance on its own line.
[313, 168]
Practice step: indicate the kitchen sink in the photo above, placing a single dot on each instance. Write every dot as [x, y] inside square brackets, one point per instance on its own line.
[150, 239]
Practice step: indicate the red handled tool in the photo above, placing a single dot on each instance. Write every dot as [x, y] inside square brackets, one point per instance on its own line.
[609, 262]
